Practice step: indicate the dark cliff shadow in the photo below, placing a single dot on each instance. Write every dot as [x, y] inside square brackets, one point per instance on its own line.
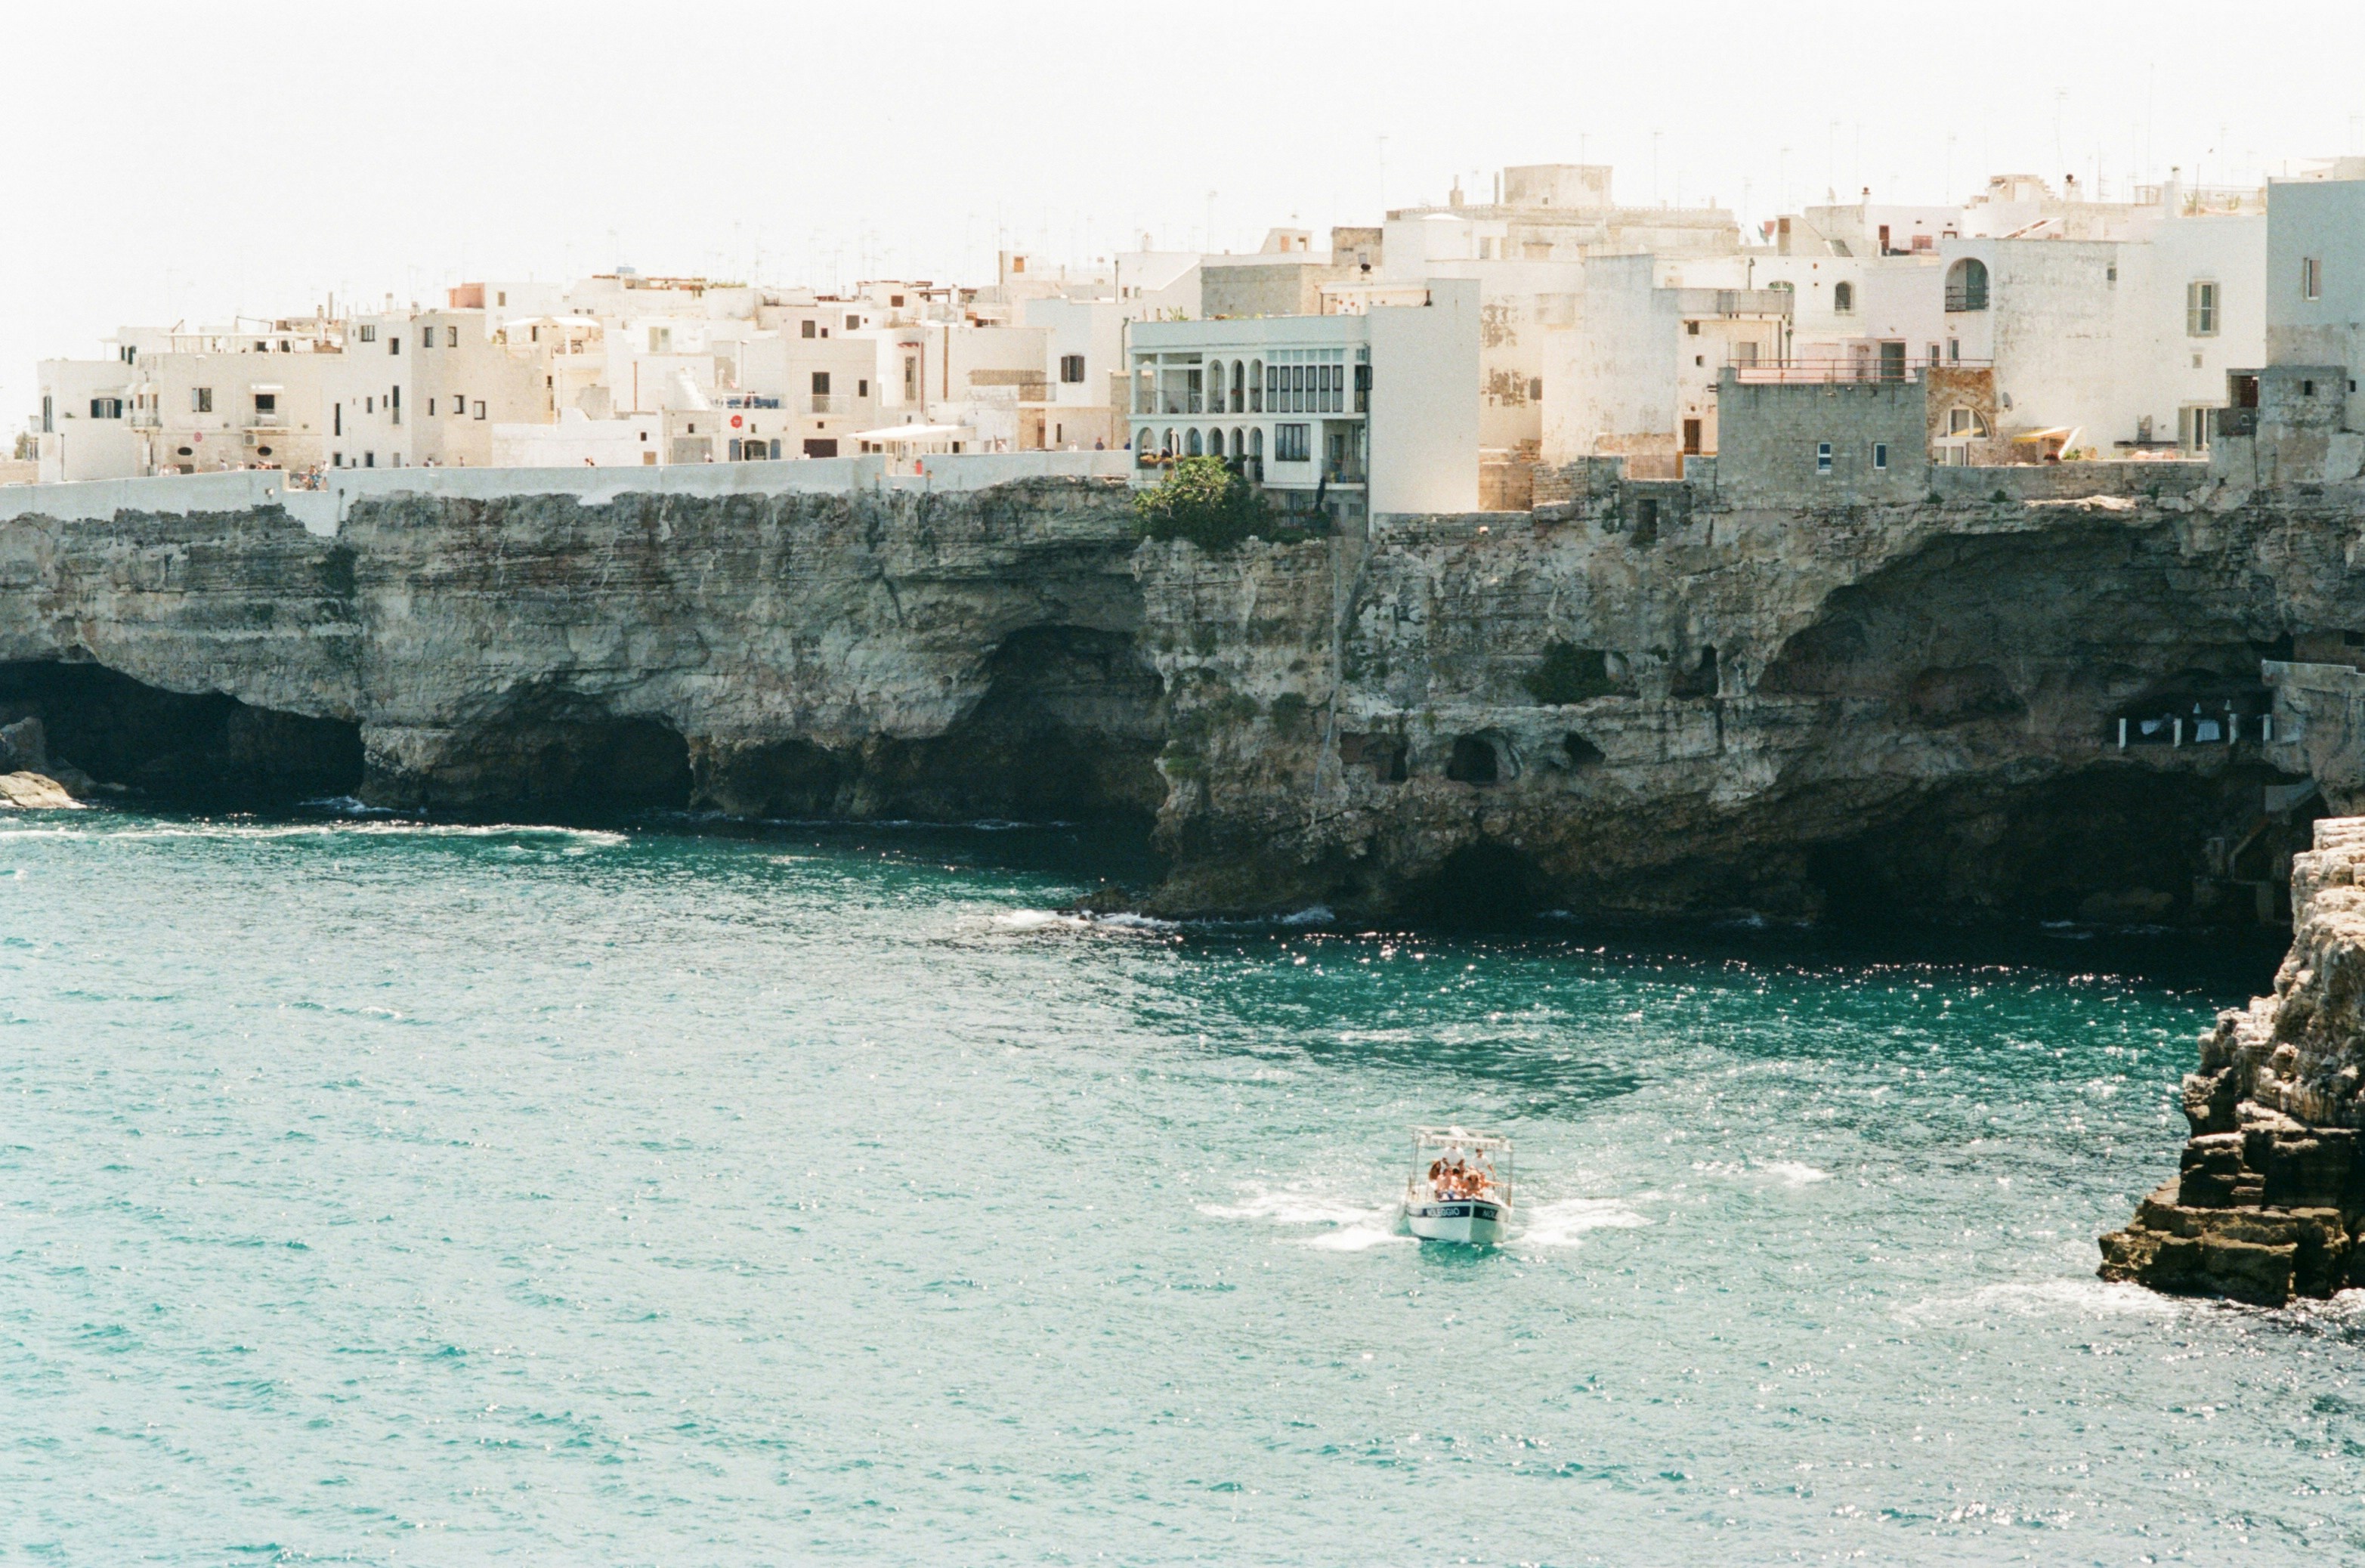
[201, 749]
[1067, 728]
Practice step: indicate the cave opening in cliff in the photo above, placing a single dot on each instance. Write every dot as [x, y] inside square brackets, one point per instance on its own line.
[564, 761]
[204, 749]
[1481, 886]
[1068, 727]
[2126, 846]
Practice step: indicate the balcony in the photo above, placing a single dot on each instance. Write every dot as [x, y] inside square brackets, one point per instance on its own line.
[266, 420]
[1170, 403]
[2234, 421]
[833, 403]
[1966, 296]
[745, 400]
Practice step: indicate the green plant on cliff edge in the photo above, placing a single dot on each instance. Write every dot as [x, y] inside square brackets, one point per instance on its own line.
[1569, 674]
[1203, 502]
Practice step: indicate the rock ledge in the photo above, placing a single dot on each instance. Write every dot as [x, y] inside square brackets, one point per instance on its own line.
[2269, 1202]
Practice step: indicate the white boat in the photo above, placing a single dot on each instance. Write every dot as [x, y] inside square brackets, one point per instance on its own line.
[1459, 1189]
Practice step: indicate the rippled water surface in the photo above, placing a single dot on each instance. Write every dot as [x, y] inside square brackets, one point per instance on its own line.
[388, 1194]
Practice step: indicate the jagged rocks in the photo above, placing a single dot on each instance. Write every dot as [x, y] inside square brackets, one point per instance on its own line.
[2270, 1198]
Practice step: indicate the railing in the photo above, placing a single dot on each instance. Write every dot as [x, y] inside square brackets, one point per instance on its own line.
[1856, 370]
[833, 403]
[745, 400]
[1170, 403]
[267, 421]
[144, 418]
[1961, 298]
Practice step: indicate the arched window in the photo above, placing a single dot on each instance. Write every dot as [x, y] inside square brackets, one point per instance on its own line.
[1966, 284]
[1166, 447]
[1256, 443]
[1215, 443]
[1240, 442]
[1256, 387]
[1239, 388]
[1842, 299]
[1194, 440]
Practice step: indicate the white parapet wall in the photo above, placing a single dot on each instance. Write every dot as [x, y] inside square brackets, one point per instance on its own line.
[320, 512]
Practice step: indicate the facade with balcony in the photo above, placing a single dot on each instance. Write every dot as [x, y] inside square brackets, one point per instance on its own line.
[1334, 417]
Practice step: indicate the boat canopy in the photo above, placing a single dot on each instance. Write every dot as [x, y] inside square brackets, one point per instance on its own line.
[1461, 1138]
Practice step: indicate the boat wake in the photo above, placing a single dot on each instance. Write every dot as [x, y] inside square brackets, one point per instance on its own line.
[1562, 1221]
[1352, 1227]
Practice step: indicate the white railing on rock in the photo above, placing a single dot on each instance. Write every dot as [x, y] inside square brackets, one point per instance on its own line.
[322, 511]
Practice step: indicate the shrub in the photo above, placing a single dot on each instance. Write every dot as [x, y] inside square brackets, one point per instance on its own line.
[1203, 502]
[1569, 675]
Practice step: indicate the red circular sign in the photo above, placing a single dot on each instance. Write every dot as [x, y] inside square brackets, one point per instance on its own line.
[737, 421]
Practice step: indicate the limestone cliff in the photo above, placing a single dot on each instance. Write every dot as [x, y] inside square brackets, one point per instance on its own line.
[1653, 697]
[863, 654]
[2271, 1196]
[1648, 699]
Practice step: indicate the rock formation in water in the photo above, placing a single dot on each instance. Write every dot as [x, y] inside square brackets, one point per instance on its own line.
[1642, 698]
[2270, 1198]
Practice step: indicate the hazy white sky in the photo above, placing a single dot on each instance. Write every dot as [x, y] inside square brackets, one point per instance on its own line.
[192, 159]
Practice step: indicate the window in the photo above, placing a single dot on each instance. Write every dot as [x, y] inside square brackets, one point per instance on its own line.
[1822, 457]
[2111, 272]
[2200, 309]
[911, 377]
[452, 336]
[201, 399]
[808, 329]
[1880, 457]
[2192, 428]
[1843, 297]
[895, 301]
[2311, 278]
[1289, 443]
[1256, 387]
[1691, 438]
[480, 408]
[1693, 327]
[426, 337]
[1363, 389]
[266, 402]
[853, 323]
[336, 418]
[1966, 284]
[502, 297]
[862, 388]
[1071, 369]
[49, 415]
[369, 334]
[393, 404]
[821, 383]
[430, 407]
[394, 342]
[1933, 354]
[369, 405]
[661, 340]
[459, 404]
[106, 407]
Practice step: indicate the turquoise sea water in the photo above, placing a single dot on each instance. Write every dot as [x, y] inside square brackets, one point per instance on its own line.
[383, 1193]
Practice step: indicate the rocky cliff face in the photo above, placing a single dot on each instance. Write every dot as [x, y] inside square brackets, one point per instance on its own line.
[1639, 698]
[2271, 1195]
[765, 656]
[1649, 702]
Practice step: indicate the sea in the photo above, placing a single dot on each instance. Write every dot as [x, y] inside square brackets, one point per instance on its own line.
[385, 1191]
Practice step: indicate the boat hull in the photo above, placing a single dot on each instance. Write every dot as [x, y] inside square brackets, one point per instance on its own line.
[1473, 1222]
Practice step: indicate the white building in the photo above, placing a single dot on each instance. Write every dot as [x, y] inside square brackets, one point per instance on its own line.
[1350, 415]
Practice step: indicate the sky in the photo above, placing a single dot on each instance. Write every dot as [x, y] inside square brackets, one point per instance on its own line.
[192, 160]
